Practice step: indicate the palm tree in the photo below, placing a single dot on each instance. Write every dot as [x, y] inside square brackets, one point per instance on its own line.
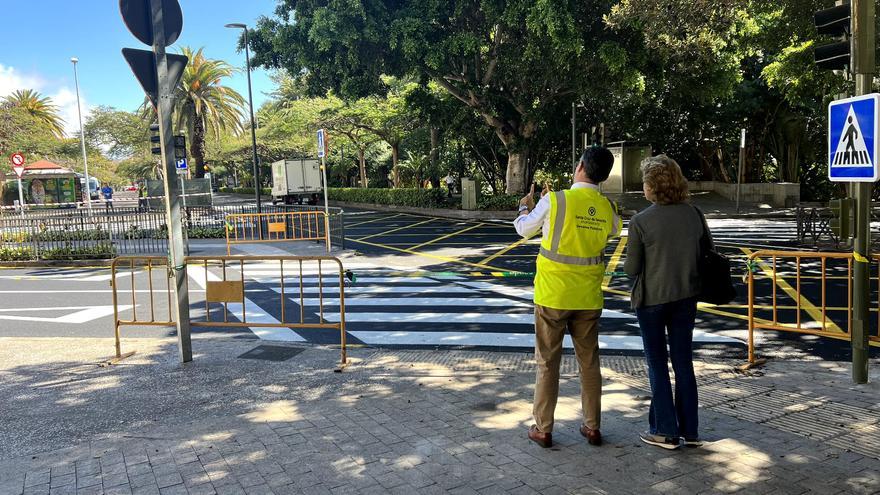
[39, 107]
[202, 104]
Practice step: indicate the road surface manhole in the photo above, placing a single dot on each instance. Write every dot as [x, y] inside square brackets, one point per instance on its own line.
[271, 353]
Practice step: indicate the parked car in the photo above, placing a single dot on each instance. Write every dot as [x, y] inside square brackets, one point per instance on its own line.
[131, 187]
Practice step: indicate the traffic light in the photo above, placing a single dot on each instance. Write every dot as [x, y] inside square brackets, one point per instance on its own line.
[156, 143]
[179, 147]
[834, 22]
[155, 140]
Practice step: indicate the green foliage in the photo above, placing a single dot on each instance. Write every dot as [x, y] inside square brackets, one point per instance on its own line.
[100, 251]
[8, 253]
[422, 198]
[37, 106]
[206, 232]
[246, 190]
[498, 202]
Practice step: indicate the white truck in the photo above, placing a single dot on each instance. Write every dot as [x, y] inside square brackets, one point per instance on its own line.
[296, 181]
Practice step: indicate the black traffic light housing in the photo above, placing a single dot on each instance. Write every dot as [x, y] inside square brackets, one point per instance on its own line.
[834, 22]
[156, 146]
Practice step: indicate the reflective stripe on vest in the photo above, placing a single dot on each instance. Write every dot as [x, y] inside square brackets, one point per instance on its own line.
[553, 253]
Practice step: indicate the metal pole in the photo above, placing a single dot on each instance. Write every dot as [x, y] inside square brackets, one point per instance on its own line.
[164, 109]
[182, 189]
[739, 172]
[247, 58]
[863, 12]
[573, 135]
[21, 197]
[326, 203]
[82, 138]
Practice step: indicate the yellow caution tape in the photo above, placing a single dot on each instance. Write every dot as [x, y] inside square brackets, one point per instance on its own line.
[859, 257]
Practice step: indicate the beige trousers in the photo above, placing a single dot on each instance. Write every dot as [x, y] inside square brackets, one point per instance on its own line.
[550, 326]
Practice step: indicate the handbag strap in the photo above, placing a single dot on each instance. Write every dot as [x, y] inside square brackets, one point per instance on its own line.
[705, 243]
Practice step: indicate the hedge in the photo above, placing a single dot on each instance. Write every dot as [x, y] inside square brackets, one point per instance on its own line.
[423, 198]
[15, 253]
[245, 190]
[504, 202]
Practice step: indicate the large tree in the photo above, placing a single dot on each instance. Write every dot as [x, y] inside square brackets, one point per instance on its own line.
[37, 106]
[511, 62]
[202, 104]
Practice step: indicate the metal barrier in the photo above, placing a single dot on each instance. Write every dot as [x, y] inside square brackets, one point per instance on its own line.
[243, 228]
[222, 281]
[820, 324]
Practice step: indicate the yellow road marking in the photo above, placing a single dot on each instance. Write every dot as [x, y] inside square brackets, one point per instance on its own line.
[615, 260]
[374, 220]
[447, 236]
[433, 256]
[395, 229]
[508, 248]
[805, 304]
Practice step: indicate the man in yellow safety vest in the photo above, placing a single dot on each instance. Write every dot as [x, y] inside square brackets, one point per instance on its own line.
[577, 224]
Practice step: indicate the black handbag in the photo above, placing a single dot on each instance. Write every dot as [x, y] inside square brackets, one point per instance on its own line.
[716, 284]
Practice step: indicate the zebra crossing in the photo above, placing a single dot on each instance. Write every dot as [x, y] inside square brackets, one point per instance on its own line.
[424, 309]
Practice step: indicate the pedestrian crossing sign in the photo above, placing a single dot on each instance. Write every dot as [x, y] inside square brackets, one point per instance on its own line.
[853, 139]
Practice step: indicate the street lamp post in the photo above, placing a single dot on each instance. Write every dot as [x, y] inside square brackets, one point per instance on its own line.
[82, 138]
[247, 58]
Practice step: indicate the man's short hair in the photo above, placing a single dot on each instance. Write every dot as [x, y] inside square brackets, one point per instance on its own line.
[598, 162]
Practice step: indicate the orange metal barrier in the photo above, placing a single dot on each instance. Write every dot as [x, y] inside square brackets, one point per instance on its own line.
[820, 324]
[244, 228]
[222, 281]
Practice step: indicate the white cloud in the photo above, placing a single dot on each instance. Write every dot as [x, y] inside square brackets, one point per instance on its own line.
[63, 96]
[11, 79]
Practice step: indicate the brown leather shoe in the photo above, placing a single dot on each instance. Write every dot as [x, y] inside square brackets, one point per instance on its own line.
[594, 437]
[545, 440]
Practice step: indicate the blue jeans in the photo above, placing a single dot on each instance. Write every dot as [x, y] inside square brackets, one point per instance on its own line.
[668, 417]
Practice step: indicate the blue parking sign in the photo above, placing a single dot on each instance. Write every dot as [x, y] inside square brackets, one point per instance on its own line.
[854, 139]
[321, 147]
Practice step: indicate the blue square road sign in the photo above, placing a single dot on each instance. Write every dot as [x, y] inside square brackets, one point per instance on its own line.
[321, 143]
[854, 139]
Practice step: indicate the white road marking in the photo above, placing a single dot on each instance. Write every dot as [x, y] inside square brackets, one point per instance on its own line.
[255, 314]
[86, 314]
[451, 318]
[294, 278]
[332, 289]
[414, 301]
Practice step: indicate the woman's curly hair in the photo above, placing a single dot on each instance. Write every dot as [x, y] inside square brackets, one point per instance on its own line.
[663, 175]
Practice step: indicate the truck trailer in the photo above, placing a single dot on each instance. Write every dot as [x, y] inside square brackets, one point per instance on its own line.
[296, 181]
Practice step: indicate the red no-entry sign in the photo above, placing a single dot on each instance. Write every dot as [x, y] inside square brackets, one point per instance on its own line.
[17, 160]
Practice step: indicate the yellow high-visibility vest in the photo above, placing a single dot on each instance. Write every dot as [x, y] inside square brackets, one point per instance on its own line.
[571, 262]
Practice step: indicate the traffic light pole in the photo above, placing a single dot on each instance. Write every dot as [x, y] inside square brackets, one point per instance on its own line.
[164, 108]
[863, 12]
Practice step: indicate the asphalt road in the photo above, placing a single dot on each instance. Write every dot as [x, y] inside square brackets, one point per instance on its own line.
[425, 282]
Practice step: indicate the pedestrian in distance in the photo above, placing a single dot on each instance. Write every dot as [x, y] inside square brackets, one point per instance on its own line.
[450, 184]
[577, 224]
[107, 192]
[662, 255]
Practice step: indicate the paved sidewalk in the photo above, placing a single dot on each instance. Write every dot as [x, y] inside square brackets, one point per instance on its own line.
[407, 422]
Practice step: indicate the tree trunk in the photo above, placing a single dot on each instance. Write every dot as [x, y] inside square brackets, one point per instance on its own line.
[363, 167]
[517, 171]
[395, 173]
[197, 148]
[435, 150]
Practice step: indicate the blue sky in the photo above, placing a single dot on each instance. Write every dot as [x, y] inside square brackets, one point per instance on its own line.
[40, 37]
